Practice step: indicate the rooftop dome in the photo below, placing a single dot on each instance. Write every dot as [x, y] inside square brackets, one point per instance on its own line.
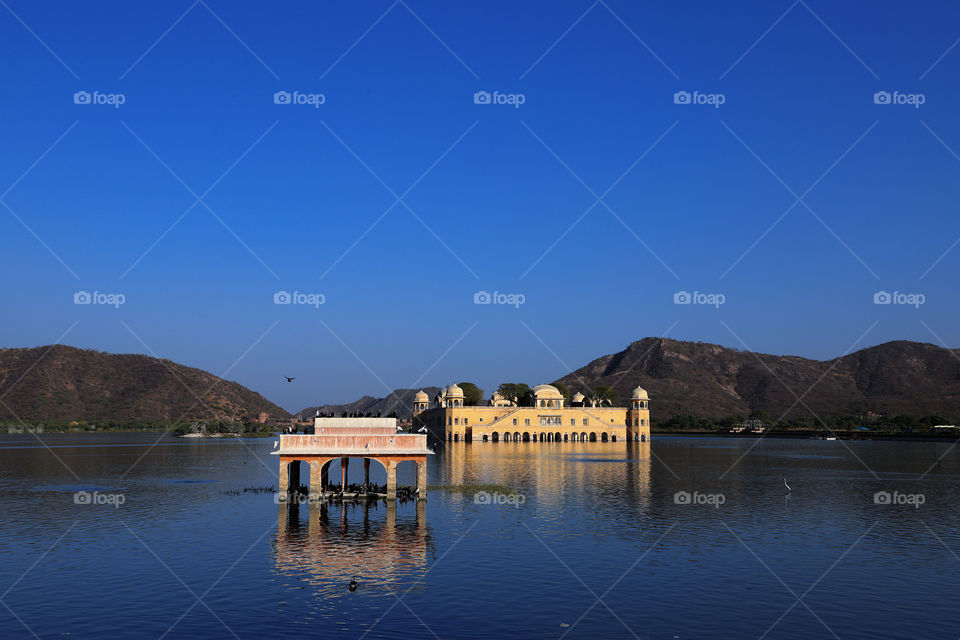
[546, 391]
[639, 394]
[578, 397]
[421, 396]
[453, 391]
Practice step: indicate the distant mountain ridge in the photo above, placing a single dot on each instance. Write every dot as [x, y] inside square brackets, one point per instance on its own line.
[709, 380]
[62, 383]
[712, 381]
[399, 400]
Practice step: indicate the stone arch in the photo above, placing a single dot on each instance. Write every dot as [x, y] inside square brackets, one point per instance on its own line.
[593, 436]
[603, 437]
[495, 436]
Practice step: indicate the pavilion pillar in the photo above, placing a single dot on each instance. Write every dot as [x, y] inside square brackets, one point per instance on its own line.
[422, 480]
[366, 473]
[284, 479]
[294, 474]
[344, 464]
[324, 476]
[392, 480]
[315, 484]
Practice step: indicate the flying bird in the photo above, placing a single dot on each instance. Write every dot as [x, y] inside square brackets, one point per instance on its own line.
[289, 379]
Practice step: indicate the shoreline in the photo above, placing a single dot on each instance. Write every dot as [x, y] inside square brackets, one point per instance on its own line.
[814, 435]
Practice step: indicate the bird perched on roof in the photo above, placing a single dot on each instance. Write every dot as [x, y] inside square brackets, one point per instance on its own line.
[422, 430]
[399, 429]
[276, 443]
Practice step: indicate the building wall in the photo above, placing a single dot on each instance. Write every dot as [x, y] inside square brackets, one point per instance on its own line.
[471, 424]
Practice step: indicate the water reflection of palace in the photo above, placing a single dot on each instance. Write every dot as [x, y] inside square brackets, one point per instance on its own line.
[549, 472]
[341, 541]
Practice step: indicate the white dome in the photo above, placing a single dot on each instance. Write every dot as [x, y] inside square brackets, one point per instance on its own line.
[639, 394]
[453, 391]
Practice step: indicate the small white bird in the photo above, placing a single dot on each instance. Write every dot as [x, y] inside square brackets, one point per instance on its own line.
[399, 429]
[276, 443]
[786, 485]
[422, 430]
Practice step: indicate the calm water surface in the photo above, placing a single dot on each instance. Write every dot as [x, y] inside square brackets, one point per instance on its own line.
[599, 547]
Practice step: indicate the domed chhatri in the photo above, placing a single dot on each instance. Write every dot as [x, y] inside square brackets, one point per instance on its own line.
[542, 416]
[546, 391]
[546, 396]
[421, 396]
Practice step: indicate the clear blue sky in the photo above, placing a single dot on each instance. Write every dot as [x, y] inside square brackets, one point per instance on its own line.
[297, 198]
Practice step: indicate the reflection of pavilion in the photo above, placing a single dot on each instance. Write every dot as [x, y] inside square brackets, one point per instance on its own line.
[343, 541]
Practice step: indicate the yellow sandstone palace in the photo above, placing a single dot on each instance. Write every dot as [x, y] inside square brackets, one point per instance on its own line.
[548, 420]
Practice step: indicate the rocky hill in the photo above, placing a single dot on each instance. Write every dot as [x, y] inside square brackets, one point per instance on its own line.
[61, 383]
[400, 400]
[709, 380]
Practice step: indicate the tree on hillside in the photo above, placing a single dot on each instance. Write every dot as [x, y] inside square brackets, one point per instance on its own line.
[564, 391]
[602, 394]
[518, 390]
[472, 394]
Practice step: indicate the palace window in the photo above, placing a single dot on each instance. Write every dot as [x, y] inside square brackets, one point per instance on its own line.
[466, 421]
[456, 421]
[573, 422]
[526, 422]
[584, 422]
[514, 422]
[550, 421]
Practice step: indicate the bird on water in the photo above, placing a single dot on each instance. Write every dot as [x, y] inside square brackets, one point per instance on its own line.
[354, 583]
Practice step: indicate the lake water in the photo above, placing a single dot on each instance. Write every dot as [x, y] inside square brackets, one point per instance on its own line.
[600, 541]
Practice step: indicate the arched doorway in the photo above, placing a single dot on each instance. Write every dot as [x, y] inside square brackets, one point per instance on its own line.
[495, 436]
[603, 437]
